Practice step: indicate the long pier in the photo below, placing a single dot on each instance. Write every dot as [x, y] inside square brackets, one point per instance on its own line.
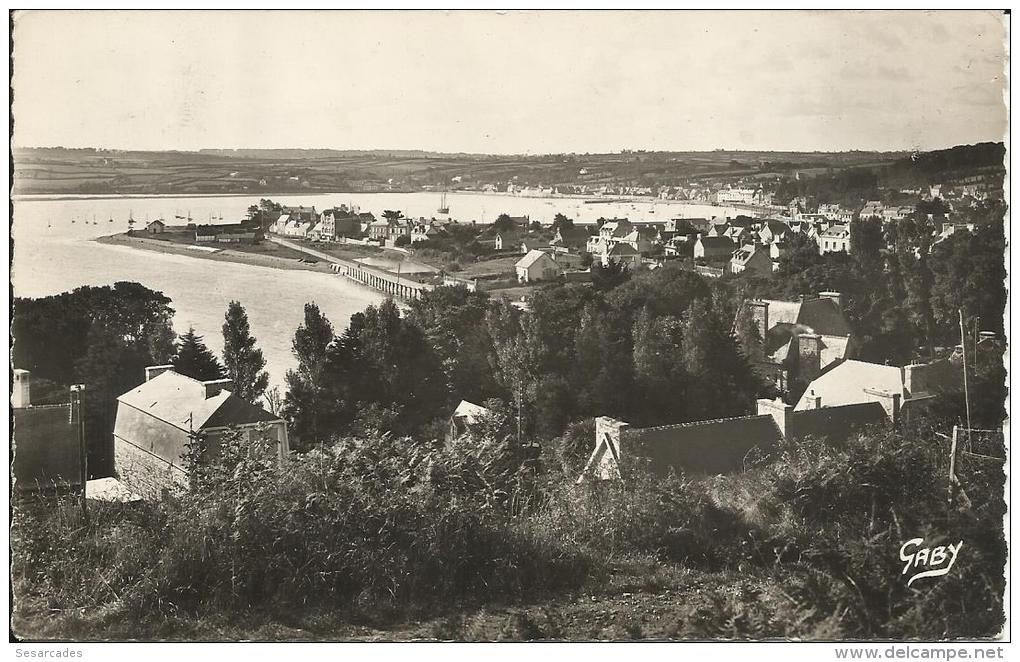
[390, 283]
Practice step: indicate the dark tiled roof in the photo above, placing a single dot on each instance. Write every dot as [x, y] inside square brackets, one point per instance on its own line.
[46, 447]
[824, 316]
[833, 423]
[709, 447]
[235, 411]
[574, 236]
[717, 242]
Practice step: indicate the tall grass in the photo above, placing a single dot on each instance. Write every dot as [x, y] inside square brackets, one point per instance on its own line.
[381, 529]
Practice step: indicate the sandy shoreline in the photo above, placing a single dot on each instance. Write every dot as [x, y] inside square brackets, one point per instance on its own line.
[223, 255]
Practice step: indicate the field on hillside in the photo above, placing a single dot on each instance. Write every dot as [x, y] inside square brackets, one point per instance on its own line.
[86, 171]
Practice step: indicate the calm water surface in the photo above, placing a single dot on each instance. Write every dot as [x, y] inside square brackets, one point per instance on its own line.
[52, 254]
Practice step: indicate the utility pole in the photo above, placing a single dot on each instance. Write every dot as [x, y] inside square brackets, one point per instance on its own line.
[977, 319]
[966, 391]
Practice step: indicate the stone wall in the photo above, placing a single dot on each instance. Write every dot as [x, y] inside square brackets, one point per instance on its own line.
[144, 473]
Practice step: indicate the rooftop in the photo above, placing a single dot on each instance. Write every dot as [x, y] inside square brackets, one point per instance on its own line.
[181, 401]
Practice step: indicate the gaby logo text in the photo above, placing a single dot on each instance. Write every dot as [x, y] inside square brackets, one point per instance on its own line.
[927, 561]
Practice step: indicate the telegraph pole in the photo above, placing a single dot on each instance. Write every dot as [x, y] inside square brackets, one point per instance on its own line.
[966, 391]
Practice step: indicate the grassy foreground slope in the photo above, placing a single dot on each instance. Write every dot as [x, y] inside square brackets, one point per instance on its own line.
[381, 538]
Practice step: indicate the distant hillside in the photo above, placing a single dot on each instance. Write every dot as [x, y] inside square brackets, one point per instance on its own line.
[59, 170]
[945, 165]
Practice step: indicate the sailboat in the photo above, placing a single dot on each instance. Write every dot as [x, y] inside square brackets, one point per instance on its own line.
[443, 207]
[177, 214]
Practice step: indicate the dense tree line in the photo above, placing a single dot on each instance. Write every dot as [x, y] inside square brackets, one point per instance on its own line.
[650, 348]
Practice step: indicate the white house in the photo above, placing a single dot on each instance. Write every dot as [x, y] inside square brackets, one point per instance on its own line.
[536, 266]
[834, 240]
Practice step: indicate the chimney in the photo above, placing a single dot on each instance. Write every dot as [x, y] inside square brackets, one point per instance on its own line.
[778, 410]
[915, 378]
[809, 356]
[21, 392]
[609, 430]
[759, 310]
[214, 387]
[837, 297]
[156, 370]
[812, 401]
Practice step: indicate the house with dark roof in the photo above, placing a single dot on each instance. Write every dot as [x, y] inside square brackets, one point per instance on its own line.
[800, 338]
[722, 445]
[751, 259]
[505, 241]
[701, 447]
[340, 222]
[572, 239]
[529, 244]
[713, 248]
[621, 253]
[301, 213]
[770, 231]
[158, 421]
[46, 445]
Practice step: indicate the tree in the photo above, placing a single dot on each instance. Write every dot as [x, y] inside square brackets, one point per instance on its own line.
[383, 359]
[726, 385]
[453, 320]
[968, 274]
[402, 240]
[307, 403]
[195, 360]
[102, 337]
[392, 216]
[562, 223]
[913, 238]
[110, 367]
[659, 377]
[503, 223]
[513, 360]
[866, 243]
[243, 361]
[605, 277]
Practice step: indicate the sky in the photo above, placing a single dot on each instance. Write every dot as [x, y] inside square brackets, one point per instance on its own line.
[509, 82]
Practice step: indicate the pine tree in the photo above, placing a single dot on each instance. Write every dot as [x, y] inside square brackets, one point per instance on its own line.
[195, 360]
[243, 361]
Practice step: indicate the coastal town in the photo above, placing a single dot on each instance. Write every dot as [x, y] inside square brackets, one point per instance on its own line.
[391, 395]
[789, 288]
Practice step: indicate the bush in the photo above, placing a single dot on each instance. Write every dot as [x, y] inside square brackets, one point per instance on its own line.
[802, 544]
[369, 525]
